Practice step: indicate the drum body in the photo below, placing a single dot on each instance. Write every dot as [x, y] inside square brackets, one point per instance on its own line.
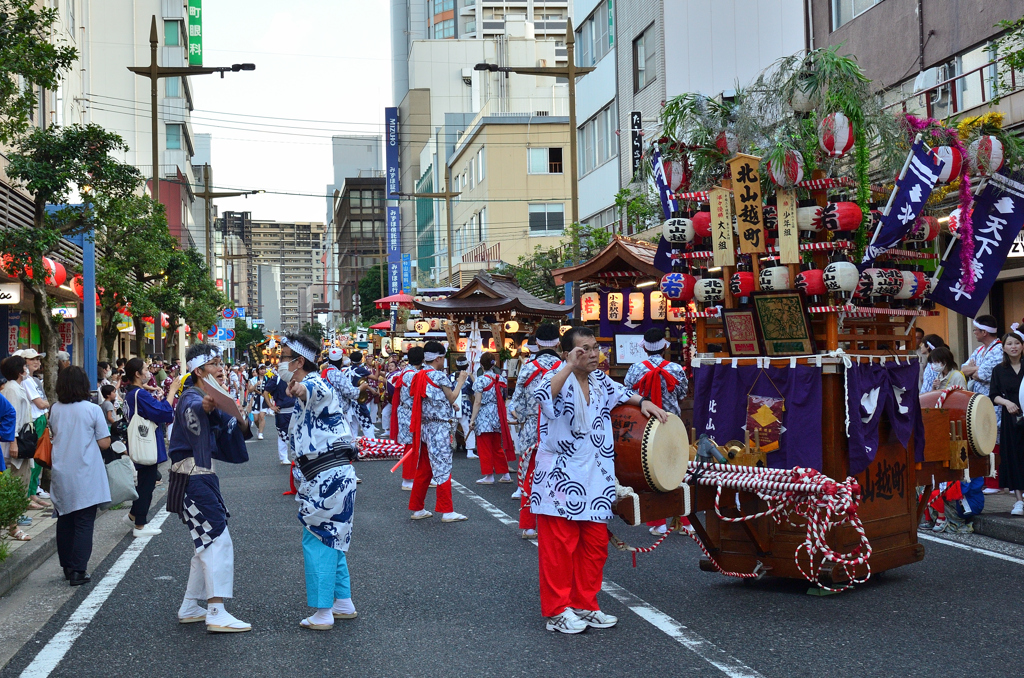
[975, 411]
[649, 456]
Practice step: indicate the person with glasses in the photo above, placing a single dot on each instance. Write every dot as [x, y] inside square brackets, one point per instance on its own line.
[574, 482]
[321, 445]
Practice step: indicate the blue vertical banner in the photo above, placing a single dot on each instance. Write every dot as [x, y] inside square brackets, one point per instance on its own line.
[407, 272]
[394, 251]
[668, 203]
[391, 152]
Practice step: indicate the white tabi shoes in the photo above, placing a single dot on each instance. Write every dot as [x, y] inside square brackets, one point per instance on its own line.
[190, 614]
[421, 514]
[452, 517]
[224, 622]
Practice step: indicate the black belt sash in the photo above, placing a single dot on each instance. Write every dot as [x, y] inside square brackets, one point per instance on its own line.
[339, 455]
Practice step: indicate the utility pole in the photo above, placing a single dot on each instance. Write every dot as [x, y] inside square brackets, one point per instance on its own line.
[447, 194]
[154, 72]
[208, 194]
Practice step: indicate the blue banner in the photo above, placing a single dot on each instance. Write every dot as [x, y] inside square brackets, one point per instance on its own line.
[668, 203]
[997, 219]
[912, 193]
[391, 151]
[394, 251]
[406, 272]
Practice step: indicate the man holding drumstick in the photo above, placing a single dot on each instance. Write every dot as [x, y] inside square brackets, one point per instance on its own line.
[574, 482]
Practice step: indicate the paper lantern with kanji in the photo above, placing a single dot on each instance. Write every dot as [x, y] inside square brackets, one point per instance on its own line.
[953, 162]
[835, 135]
[771, 217]
[841, 216]
[709, 290]
[678, 231]
[658, 305]
[512, 326]
[986, 154]
[811, 282]
[914, 285]
[789, 172]
[614, 300]
[879, 282]
[590, 303]
[840, 276]
[702, 224]
[774, 278]
[636, 306]
[809, 218]
[678, 286]
[742, 284]
[925, 229]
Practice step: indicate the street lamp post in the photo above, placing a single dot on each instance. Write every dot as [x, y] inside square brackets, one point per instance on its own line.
[154, 72]
[570, 72]
[447, 194]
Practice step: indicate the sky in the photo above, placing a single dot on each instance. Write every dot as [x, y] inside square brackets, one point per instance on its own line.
[326, 61]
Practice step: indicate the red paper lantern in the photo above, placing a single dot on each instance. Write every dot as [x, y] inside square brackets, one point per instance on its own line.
[790, 171]
[60, 274]
[810, 282]
[742, 284]
[953, 159]
[986, 154]
[678, 286]
[702, 224]
[77, 287]
[147, 319]
[841, 216]
[835, 135]
[164, 322]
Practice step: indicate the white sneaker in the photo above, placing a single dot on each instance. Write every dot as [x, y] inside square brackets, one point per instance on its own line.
[990, 490]
[42, 494]
[146, 531]
[471, 455]
[285, 462]
[529, 534]
[1018, 509]
[517, 494]
[421, 514]
[940, 525]
[452, 517]
[596, 618]
[259, 436]
[566, 622]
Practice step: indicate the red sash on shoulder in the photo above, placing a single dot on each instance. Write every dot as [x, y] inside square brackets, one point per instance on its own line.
[506, 434]
[418, 389]
[649, 385]
[396, 401]
[540, 371]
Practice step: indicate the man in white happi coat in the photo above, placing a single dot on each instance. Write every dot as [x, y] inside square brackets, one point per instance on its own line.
[574, 482]
[978, 368]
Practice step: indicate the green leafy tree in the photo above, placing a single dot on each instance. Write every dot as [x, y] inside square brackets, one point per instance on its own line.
[369, 291]
[533, 272]
[639, 206]
[187, 292]
[29, 61]
[315, 330]
[246, 336]
[1010, 46]
[51, 163]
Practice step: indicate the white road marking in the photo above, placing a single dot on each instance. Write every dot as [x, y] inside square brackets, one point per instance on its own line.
[55, 650]
[703, 648]
[975, 549]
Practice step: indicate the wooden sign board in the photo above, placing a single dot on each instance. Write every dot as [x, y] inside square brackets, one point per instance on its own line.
[724, 249]
[746, 182]
[789, 242]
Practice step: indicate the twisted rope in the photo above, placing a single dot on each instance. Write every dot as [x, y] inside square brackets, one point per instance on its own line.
[370, 449]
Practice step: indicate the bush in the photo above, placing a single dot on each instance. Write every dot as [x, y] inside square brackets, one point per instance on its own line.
[13, 500]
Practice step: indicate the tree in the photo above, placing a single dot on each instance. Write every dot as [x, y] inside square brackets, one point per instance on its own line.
[186, 291]
[369, 292]
[640, 207]
[315, 330]
[246, 336]
[29, 62]
[51, 163]
[534, 271]
[1010, 46]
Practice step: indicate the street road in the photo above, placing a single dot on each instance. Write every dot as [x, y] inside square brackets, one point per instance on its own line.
[461, 599]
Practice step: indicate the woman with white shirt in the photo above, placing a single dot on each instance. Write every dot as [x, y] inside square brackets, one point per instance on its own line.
[39, 406]
[13, 369]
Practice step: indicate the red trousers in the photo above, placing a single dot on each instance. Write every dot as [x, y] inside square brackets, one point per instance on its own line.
[424, 474]
[409, 466]
[527, 521]
[572, 555]
[492, 457]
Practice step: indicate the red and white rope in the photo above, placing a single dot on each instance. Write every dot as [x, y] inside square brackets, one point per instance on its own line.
[829, 182]
[620, 274]
[378, 448]
[846, 308]
[675, 526]
[699, 196]
[868, 311]
[945, 394]
[907, 254]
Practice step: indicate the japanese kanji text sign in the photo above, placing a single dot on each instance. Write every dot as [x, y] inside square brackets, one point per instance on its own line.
[789, 242]
[746, 183]
[721, 227]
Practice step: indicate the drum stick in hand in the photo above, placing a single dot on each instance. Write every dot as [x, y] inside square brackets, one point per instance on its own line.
[402, 460]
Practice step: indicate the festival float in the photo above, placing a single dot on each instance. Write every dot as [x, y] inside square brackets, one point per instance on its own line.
[807, 230]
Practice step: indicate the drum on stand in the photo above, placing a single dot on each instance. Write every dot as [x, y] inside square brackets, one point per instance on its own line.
[649, 456]
[975, 410]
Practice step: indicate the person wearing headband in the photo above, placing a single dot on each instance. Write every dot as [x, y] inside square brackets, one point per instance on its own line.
[983, 360]
[200, 434]
[464, 407]
[275, 391]
[322, 447]
[401, 416]
[489, 421]
[360, 421]
[335, 373]
[1005, 392]
[524, 410]
[433, 396]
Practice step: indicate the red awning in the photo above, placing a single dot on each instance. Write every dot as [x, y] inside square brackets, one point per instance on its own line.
[402, 299]
[382, 325]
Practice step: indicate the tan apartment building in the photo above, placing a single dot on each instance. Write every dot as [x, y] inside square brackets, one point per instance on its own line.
[513, 173]
[297, 250]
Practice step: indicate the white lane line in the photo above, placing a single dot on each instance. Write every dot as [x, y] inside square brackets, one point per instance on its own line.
[975, 549]
[703, 648]
[55, 650]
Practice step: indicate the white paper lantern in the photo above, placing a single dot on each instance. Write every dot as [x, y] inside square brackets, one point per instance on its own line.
[658, 305]
[636, 306]
[841, 276]
[422, 326]
[809, 218]
[615, 306]
[678, 231]
[775, 279]
[590, 303]
[914, 284]
[709, 290]
[410, 325]
[512, 327]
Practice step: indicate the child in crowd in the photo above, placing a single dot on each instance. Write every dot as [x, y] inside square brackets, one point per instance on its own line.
[109, 394]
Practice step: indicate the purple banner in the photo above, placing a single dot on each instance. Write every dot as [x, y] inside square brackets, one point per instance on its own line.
[871, 390]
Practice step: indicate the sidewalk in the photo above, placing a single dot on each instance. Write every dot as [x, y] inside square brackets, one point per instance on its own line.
[996, 521]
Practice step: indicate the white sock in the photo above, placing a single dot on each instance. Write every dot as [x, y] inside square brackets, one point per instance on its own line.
[343, 606]
[322, 616]
[489, 478]
[190, 608]
[214, 609]
[506, 477]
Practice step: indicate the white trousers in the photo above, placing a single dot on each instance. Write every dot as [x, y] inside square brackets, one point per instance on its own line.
[212, 570]
[469, 433]
[282, 449]
[385, 420]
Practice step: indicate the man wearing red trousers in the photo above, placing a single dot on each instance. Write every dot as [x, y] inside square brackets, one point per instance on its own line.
[574, 482]
[432, 416]
[490, 423]
[401, 413]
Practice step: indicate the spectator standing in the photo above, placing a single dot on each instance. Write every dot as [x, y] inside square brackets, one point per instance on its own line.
[1005, 393]
[13, 370]
[151, 406]
[39, 407]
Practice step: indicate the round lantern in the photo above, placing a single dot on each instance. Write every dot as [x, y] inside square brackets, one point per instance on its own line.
[727, 143]
[774, 279]
[422, 326]
[77, 287]
[841, 216]
[702, 224]
[709, 290]
[512, 327]
[742, 284]
[925, 229]
[914, 285]
[811, 282]
[809, 218]
[986, 154]
[562, 329]
[880, 282]
[840, 276]
[771, 217]
[678, 231]
[410, 325]
[835, 135]
[789, 172]
[60, 274]
[953, 161]
[435, 324]
[678, 286]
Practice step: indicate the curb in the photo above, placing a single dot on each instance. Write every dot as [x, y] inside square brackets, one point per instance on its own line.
[1000, 526]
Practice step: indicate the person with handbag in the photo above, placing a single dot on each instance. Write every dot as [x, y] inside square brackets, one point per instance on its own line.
[38, 404]
[78, 482]
[19, 452]
[148, 412]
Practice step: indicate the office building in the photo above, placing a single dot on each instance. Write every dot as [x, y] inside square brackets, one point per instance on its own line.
[296, 248]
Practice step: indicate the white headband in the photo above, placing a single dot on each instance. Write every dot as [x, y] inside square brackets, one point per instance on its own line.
[532, 348]
[1013, 328]
[658, 345]
[548, 343]
[990, 330]
[300, 349]
[203, 358]
[429, 357]
[929, 345]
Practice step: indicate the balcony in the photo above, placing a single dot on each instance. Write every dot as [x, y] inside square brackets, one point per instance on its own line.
[470, 27]
[961, 93]
[483, 254]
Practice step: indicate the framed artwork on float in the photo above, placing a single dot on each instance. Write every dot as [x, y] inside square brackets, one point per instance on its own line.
[784, 323]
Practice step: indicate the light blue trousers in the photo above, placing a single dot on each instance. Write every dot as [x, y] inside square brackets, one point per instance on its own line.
[326, 572]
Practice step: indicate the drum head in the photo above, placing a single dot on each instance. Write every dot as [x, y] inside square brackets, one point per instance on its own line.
[981, 425]
[666, 453]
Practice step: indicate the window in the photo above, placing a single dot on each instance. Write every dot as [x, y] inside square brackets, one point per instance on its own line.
[595, 36]
[547, 219]
[174, 137]
[172, 33]
[544, 160]
[596, 140]
[443, 6]
[172, 87]
[480, 165]
[445, 29]
[644, 69]
[472, 173]
[845, 10]
[482, 224]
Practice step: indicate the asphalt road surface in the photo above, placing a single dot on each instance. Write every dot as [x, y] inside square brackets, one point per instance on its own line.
[461, 599]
